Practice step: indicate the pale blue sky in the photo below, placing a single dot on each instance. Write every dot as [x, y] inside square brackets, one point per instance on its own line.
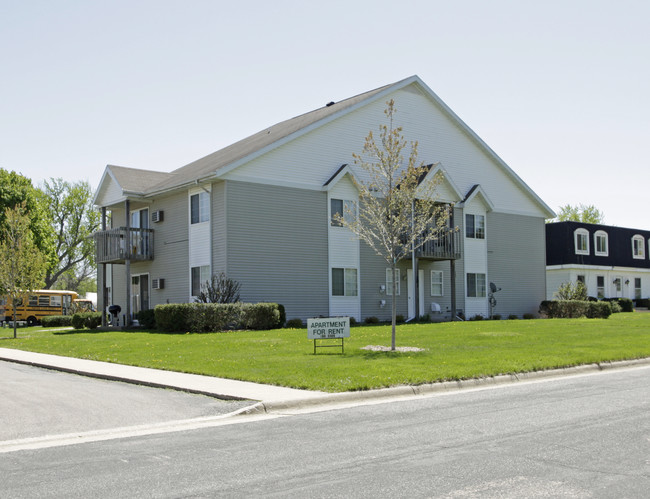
[558, 89]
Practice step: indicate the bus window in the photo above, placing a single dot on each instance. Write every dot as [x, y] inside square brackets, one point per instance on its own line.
[33, 301]
[43, 301]
[55, 301]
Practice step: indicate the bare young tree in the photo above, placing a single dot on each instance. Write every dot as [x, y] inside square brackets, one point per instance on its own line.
[398, 210]
[22, 265]
[220, 289]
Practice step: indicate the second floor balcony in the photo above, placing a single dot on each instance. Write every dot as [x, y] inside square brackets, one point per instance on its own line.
[122, 244]
[445, 247]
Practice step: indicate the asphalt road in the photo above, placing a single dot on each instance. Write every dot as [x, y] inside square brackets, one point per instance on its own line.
[580, 436]
[35, 402]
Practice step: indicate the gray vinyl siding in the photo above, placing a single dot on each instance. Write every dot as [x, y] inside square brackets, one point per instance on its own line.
[277, 246]
[170, 254]
[219, 261]
[517, 262]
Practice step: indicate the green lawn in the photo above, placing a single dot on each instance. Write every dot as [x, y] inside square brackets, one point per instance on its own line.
[285, 357]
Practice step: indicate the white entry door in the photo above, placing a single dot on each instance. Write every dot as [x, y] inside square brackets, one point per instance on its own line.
[411, 301]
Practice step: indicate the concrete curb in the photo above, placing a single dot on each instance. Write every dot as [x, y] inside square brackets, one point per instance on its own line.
[431, 388]
[270, 398]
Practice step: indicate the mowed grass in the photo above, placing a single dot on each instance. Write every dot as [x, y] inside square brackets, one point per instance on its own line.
[452, 351]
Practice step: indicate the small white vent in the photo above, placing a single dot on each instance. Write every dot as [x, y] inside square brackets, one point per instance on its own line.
[157, 216]
[158, 284]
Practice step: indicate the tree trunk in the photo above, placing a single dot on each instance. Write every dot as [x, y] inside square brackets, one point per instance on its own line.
[394, 308]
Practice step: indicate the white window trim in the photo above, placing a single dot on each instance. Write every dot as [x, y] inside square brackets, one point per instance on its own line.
[442, 280]
[475, 216]
[389, 278]
[481, 297]
[582, 232]
[601, 233]
[641, 255]
[345, 287]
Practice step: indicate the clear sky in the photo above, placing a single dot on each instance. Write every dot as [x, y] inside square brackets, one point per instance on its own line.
[558, 89]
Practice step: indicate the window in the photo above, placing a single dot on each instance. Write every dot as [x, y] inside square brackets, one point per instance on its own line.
[600, 287]
[343, 208]
[33, 301]
[581, 239]
[580, 278]
[436, 283]
[475, 226]
[600, 242]
[637, 288]
[199, 208]
[43, 301]
[200, 276]
[55, 301]
[475, 285]
[638, 247]
[389, 282]
[344, 282]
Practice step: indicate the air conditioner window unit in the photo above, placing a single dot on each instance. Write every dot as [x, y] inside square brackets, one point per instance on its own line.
[157, 216]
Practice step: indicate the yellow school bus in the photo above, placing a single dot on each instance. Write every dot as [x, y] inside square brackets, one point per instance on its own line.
[37, 304]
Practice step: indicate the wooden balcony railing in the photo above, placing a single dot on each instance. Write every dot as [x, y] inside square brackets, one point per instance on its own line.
[445, 247]
[122, 244]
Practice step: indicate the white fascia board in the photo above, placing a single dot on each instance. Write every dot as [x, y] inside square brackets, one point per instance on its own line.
[484, 197]
[604, 268]
[447, 180]
[347, 170]
[463, 126]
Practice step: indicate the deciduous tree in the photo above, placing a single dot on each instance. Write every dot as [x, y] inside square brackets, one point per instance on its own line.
[73, 222]
[22, 264]
[580, 213]
[397, 212]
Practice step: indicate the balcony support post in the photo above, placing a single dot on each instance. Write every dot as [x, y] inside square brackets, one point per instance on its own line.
[127, 264]
[104, 299]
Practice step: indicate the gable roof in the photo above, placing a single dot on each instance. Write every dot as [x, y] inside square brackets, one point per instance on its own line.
[230, 157]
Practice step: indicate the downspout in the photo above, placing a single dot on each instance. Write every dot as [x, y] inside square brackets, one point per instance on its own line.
[104, 298]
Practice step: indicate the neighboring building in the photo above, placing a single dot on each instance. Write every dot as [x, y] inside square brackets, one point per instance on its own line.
[260, 210]
[611, 261]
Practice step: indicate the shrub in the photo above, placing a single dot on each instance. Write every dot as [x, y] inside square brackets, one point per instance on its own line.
[213, 317]
[86, 320]
[513, 317]
[621, 304]
[599, 310]
[643, 303]
[353, 321]
[496, 317]
[219, 289]
[424, 318]
[371, 320]
[295, 323]
[477, 317]
[399, 318]
[616, 308]
[56, 321]
[529, 316]
[260, 316]
[146, 318]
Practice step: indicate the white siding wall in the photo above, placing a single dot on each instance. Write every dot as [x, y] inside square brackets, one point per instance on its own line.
[475, 259]
[343, 251]
[310, 160]
[557, 276]
[199, 241]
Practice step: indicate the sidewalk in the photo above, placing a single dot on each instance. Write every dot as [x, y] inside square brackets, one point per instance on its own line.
[276, 398]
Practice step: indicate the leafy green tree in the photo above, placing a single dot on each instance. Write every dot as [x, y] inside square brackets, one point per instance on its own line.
[571, 291]
[73, 220]
[16, 190]
[397, 211]
[22, 264]
[580, 213]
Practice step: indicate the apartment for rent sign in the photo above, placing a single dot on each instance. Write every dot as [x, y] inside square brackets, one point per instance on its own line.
[323, 329]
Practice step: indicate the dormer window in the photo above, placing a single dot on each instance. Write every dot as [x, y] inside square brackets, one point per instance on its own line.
[601, 243]
[581, 240]
[475, 226]
[344, 208]
[638, 247]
